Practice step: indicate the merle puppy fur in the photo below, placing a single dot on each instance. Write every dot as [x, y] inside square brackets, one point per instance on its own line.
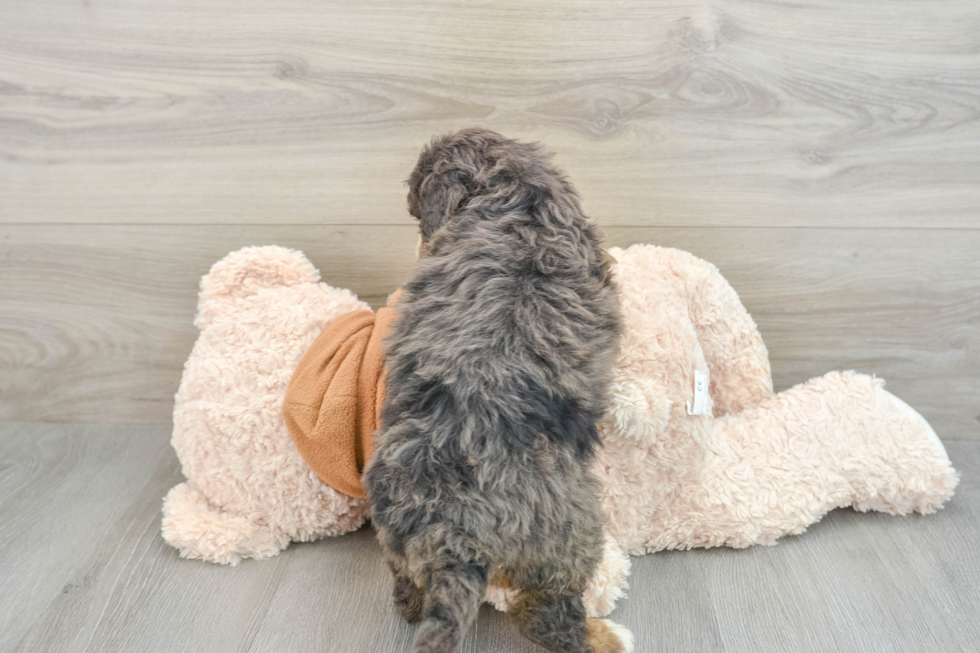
[498, 368]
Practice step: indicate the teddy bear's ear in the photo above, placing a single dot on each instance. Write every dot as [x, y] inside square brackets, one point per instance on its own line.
[246, 272]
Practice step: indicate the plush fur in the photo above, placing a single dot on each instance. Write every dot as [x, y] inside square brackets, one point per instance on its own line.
[498, 370]
[756, 466]
[249, 492]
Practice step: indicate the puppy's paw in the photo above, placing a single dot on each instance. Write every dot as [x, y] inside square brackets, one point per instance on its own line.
[608, 637]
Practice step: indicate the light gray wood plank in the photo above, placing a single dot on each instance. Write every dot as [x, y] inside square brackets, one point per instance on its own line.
[96, 321]
[685, 113]
[78, 562]
[669, 604]
[835, 582]
[74, 498]
[346, 567]
[84, 569]
[162, 603]
[950, 575]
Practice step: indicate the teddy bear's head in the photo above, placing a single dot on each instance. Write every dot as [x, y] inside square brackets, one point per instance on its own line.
[249, 491]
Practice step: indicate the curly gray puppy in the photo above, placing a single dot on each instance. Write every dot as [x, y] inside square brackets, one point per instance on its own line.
[498, 368]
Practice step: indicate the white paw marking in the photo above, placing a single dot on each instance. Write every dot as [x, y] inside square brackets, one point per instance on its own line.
[623, 633]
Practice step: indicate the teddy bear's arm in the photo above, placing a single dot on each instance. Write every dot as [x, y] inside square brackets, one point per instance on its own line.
[733, 349]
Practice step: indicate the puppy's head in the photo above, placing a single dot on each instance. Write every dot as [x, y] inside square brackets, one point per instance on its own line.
[450, 171]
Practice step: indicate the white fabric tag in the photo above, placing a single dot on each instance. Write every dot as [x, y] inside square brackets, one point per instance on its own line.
[700, 394]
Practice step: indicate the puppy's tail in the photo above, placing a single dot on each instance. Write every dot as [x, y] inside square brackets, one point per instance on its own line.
[453, 594]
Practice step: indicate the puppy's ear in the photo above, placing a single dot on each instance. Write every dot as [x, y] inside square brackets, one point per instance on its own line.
[441, 198]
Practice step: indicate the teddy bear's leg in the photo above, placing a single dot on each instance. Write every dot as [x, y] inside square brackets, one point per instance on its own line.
[201, 532]
[737, 359]
[838, 440]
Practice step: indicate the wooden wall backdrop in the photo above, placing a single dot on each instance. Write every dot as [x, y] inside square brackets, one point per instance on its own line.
[825, 154]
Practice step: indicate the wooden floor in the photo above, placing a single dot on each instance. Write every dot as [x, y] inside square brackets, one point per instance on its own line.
[825, 154]
[83, 568]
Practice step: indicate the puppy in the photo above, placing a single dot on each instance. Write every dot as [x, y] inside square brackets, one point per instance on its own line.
[498, 368]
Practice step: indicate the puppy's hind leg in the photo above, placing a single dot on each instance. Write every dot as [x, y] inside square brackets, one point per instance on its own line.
[555, 619]
[408, 596]
[453, 593]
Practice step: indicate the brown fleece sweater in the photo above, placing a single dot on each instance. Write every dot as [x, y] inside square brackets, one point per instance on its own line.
[333, 403]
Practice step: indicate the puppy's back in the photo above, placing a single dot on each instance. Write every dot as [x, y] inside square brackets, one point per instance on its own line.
[506, 331]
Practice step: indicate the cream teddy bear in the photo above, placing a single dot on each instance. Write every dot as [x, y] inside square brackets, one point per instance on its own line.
[699, 452]
[697, 449]
[249, 492]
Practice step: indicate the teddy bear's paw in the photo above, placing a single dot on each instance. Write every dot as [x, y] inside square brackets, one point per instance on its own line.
[924, 477]
[201, 532]
[918, 419]
[639, 408]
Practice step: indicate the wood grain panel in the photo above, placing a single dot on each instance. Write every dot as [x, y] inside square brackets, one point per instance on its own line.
[96, 321]
[85, 570]
[682, 113]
